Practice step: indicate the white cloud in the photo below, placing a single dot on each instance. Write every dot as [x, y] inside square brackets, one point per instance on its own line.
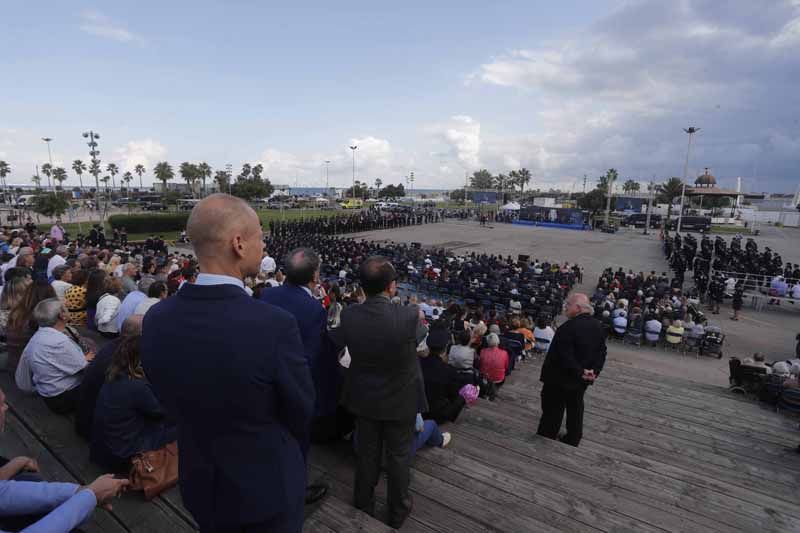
[372, 153]
[619, 93]
[96, 23]
[145, 152]
[461, 136]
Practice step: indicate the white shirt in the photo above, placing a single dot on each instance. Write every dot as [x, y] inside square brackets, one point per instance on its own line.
[268, 264]
[796, 291]
[145, 306]
[60, 288]
[543, 337]
[272, 282]
[50, 364]
[55, 261]
[106, 315]
[652, 330]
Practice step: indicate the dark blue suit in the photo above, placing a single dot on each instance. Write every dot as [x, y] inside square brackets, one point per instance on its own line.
[313, 321]
[231, 371]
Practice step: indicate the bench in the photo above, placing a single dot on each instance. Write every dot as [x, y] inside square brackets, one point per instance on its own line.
[57, 435]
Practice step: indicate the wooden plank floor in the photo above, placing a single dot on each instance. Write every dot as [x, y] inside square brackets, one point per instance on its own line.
[659, 454]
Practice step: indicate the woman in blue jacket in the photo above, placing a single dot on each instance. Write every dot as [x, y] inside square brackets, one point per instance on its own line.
[128, 418]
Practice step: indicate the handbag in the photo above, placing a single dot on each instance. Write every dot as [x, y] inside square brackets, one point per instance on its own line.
[156, 471]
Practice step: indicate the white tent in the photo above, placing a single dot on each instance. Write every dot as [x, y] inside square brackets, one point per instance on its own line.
[510, 206]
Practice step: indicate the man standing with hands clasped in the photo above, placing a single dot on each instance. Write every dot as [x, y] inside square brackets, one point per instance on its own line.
[576, 357]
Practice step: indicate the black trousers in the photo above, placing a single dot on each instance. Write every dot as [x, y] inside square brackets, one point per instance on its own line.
[555, 400]
[396, 436]
[64, 403]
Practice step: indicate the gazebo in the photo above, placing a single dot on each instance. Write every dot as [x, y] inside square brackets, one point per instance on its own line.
[706, 186]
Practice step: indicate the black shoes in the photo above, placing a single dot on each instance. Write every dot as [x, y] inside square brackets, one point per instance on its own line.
[315, 493]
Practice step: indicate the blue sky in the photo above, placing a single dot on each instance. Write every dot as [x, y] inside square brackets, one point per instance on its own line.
[438, 88]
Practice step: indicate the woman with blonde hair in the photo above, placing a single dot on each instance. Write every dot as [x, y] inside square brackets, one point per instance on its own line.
[21, 325]
[13, 292]
[112, 265]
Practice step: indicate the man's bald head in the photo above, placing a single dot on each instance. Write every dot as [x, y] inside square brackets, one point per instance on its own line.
[577, 304]
[216, 220]
[132, 326]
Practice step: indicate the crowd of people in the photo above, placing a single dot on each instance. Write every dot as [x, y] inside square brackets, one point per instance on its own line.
[652, 309]
[142, 345]
[719, 269]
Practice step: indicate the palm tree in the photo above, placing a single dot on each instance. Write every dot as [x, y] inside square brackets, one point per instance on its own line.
[523, 178]
[631, 186]
[36, 180]
[222, 179]
[5, 170]
[204, 172]
[163, 172]
[246, 168]
[79, 167]
[189, 173]
[513, 179]
[47, 170]
[139, 169]
[95, 170]
[257, 170]
[60, 175]
[127, 178]
[112, 169]
[668, 191]
[378, 183]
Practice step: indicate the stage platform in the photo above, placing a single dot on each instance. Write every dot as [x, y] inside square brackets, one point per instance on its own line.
[659, 454]
[550, 225]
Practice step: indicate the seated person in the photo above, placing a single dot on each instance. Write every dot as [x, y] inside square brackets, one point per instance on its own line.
[494, 360]
[652, 329]
[128, 418]
[52, 363]
[442, 381]
[757, 361]
[543, 334]
[621, 323]
[675, 333]
[462, 355]
[32, 505]
[95, 376]
[427, 433]
[523, 327]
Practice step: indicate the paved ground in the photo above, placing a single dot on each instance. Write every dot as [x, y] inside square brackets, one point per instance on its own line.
[771, 331]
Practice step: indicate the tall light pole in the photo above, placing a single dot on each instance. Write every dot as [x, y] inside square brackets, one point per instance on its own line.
[691, 130]
[94, 168]
[50, 157]
[229, 170]
[353, 190]
[327, 183]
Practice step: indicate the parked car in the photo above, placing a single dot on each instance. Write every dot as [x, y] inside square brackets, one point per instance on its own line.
[638, 220]
[692, 223]
[154, 206]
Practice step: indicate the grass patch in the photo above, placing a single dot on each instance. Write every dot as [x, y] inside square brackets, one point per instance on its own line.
[716, 228]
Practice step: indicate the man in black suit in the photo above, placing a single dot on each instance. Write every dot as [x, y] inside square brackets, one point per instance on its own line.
[575, 359]
[232, 372]
[383, 386]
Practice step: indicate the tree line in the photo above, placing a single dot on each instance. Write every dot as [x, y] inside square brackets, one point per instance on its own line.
[248, 184]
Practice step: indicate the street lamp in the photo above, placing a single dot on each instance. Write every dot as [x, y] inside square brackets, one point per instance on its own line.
[50, 157]
[353, 148]
[327, 185]
[691, 130]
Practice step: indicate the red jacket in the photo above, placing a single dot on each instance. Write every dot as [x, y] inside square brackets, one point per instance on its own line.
[494, 363]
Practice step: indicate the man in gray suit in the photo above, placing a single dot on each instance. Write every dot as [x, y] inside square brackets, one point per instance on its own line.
[383, 386]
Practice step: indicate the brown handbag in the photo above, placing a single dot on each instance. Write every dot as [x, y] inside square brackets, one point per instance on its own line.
[155, 472]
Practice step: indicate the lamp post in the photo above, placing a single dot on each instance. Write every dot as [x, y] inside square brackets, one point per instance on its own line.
[50, 158]
[327, 183]
[691, 130]
[229, 170]
[353, 190]
[94, 168]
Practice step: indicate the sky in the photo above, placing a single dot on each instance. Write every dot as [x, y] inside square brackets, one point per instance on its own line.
[566, 89]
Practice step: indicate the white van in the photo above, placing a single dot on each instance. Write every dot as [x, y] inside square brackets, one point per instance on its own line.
[25, 200]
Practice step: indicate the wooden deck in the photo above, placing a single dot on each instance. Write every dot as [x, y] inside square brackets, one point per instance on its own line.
[659, 454]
